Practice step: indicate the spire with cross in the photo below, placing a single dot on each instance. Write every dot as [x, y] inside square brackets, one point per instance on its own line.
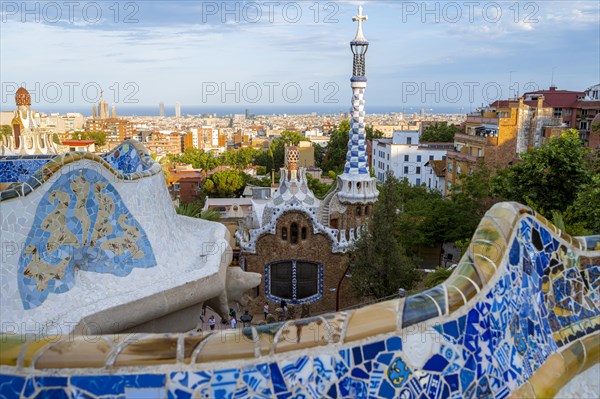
[360, 37]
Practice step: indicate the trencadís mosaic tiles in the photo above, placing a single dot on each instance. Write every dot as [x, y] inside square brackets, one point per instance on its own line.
[523, 294]
[80, 223]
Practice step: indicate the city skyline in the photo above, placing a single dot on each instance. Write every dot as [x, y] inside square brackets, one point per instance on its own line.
[202, 54]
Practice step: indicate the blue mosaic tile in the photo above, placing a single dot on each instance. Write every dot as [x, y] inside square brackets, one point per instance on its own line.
[80, 223]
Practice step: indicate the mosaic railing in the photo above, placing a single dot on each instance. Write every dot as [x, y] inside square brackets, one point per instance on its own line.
[129, 161]
[519, 317]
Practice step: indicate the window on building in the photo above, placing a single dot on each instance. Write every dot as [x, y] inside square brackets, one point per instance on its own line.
[176, 187]
[418, 158]
[409, 140]
[388, 157]
[431, 157]
[567, 111]
[418, 170]
[367, 210]
[293, 280]
[406, 170]
[450, 167]
[583, 125]
[418, 182]
[303, 234]
[557, 112]
[294, 233]
[458, 169]
[358, 211]
[284, 233]
[406, 158]
[479, 152]
[443, 157]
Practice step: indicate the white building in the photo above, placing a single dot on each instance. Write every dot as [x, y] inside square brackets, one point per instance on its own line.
[406, 158]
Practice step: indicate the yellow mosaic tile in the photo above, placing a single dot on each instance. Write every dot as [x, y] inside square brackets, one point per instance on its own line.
[380, 318]
[75, 353]
[302, 334]
[149, 351]
[455, 298]
[226, 345]
[10, 347]
[34, 347]
[550, 377]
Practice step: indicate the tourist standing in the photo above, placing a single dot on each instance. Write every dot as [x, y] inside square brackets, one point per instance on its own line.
[266, 309]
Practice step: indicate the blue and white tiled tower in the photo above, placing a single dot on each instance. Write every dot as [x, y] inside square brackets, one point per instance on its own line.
[357, 186]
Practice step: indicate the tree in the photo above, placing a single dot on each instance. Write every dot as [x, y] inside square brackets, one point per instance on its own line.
[5, 130]
[373, 134]
[319, 154]
[439, 132]
[437, 277]
[550, 177]
[290, 137]
[318, 188]
[98, 137]
[381, 263]
[194, 210]
[226, 183]
[335, 154]
[56, 139]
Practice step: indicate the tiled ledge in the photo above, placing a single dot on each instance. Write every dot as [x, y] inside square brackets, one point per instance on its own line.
[55, 164]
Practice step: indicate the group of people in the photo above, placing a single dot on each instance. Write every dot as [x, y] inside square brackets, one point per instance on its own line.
[245, 319]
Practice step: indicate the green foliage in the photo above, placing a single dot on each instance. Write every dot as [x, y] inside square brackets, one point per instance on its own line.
[377, 134]
[439, 132]
[226, 183]
[56, 139]
[255, 181]
[5, 130]
[583, 216]
[291, 138]
[381, 263]
[471, 200]
[98, 137]
[319, 188]
[194, 210]
[549, 177]
[437, 277]
[319, 154]
[335, 154]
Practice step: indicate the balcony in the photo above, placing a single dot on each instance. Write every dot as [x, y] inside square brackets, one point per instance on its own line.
[459, 156]
[481, 140]
[482, 120]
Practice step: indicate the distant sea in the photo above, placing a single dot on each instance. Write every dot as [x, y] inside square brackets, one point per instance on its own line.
[223, 110]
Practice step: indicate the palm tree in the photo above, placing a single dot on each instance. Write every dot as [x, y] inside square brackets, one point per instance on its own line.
[194, 210]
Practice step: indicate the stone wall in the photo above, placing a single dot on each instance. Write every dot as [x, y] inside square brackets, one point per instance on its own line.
[316, 247]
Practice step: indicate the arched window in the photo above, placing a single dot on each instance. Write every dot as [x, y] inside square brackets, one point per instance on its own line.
[303, 234]
[367, 210]
[358, 211]
[284, 233]
[294, 233]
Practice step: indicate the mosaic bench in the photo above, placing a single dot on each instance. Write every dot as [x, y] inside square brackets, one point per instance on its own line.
[519, 318]
[93, 242]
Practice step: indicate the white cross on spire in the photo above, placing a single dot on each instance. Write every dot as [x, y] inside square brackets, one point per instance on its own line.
[360, 37]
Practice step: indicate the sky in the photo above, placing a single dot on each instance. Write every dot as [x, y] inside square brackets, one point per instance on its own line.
[257, 53]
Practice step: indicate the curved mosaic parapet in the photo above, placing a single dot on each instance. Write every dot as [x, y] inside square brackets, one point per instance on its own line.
[129, 161]
[518, 318]
[93, 243]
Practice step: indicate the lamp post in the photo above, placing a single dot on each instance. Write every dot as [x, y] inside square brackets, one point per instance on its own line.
[337, 290]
